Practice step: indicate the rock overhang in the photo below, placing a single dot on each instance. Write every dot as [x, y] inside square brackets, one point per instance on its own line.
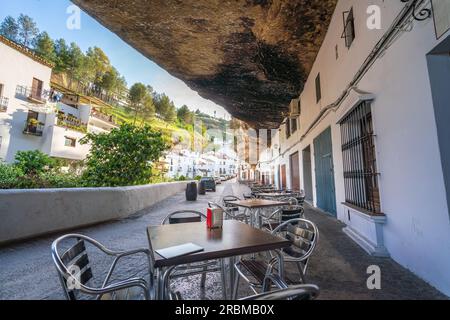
[250, 56]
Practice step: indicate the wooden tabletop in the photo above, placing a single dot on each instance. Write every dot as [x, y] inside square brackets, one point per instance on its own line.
[257, 203]
[234, 239]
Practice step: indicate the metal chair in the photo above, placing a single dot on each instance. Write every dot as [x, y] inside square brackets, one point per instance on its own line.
[288, 212]
[75, 272]
[299, 293]
[190, 216]
[230, 214]
[303, 235]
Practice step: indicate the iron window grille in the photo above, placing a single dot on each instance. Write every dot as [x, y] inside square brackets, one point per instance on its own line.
[349, 27]
[359, 158]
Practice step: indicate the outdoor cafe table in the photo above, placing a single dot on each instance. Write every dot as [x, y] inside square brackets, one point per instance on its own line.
[254, 207]
[233, 240]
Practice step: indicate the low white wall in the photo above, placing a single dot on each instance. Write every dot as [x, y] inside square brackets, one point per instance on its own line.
[30, 213]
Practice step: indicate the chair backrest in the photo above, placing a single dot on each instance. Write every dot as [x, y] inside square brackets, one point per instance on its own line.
[184, 216]
[230, 198]
[303, 235]
[301, 292]
[227, 211]
[73, 264]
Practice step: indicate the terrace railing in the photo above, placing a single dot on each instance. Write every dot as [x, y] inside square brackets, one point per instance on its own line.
[30, 94]
[4, 104]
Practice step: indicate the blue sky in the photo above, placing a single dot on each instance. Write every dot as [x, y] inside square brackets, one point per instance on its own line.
[51, 16]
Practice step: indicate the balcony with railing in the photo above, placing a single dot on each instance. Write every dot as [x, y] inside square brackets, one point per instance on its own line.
[104, 117]
[34, 128]
[72, 123]
[32, 94]
[4, 104]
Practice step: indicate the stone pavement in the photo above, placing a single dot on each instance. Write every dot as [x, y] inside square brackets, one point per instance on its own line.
[338, 266]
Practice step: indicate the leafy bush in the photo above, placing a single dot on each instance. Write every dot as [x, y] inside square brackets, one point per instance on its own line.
[122, 157]
[10, 176]
[60, 180]
[198, 178]
[33, 162]
[182, 178]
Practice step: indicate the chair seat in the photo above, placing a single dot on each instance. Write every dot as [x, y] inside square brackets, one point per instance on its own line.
[134, 293]
[257, 269]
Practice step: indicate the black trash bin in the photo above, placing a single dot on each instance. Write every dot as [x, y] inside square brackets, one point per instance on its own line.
[191, 191]
[202, 188]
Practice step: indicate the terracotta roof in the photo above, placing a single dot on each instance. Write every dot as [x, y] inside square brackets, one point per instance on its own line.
[26, 51]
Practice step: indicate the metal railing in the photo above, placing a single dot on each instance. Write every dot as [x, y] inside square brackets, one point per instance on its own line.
[24, 92]
[103, 117]
[4, 104]
[34, 129]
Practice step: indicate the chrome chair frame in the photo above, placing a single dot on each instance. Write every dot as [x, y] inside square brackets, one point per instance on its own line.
[300, 292]
[229, 214]
[301, 262]
[65, 274]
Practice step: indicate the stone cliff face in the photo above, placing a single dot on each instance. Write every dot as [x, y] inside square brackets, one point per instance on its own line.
[250, 56]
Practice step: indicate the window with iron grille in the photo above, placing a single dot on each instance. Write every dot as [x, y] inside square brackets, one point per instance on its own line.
[349, 28]
[359, 158]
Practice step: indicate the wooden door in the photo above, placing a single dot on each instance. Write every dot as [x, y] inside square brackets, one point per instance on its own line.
[36, 90]
[283, 177]
[295, 171]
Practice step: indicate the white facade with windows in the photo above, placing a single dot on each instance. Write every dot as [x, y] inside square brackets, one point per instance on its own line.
[381, 99]
[28, 121]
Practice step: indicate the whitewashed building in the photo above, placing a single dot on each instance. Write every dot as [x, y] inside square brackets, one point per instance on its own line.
[368, 138]
[28, 118]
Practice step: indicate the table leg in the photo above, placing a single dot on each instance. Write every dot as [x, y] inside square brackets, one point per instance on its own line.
[232, 275]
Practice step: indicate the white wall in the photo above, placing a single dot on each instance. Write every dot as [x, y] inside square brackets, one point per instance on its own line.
[30, 213]
[18, 69]
[417, 232]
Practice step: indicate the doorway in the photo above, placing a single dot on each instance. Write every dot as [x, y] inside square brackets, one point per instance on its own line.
[325, 187]
[295, 171]
[307, 174]
[283, 177]
[439, 70]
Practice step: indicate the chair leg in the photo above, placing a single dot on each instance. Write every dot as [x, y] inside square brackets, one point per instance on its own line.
[300, 270]
[224, 280]
[203, 281]
[236, 286]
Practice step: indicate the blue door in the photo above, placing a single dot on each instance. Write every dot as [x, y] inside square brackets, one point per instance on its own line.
[325, 187]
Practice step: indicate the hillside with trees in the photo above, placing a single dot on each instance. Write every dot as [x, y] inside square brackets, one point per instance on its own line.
[91, 73]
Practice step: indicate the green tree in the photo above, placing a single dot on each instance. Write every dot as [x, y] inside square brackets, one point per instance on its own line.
[171, 113]
[75, 62]
[45, 47]
[9, 28]
[97, 62]
[33, 162]
[137, 95]
[62, 56]
[185, 115]
[123, 157]
[27, 30]
[110, 80]
[148, 108]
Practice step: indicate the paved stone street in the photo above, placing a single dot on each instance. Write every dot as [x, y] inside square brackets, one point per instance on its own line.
[338, 266]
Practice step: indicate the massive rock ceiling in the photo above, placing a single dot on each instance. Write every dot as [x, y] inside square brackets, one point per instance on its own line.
[250, 56]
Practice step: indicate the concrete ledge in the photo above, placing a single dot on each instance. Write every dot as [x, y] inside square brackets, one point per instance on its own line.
[31, 213]
[366, 231]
